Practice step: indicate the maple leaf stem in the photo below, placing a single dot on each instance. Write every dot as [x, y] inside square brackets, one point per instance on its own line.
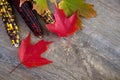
[69, 42]
[15, 68]
[54, 1]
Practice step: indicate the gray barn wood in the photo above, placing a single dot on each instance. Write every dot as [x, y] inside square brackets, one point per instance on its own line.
[94, 52]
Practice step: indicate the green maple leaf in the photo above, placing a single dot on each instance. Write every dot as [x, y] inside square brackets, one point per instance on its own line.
[40, 6]
[84, 9]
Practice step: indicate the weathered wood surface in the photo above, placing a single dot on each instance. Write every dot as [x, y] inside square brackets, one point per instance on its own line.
[94, 53]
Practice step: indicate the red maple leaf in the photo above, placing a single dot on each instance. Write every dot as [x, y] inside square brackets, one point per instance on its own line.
[63, 26]
[30, 55]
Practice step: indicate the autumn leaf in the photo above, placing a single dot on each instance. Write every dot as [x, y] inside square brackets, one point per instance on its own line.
[30, 55]
[40, 6]
[21, 2]
[63, 26]
[84, 9]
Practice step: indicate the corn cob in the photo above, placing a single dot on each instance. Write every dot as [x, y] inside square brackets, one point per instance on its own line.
[9, 21]
[48, 17]
[29, 17]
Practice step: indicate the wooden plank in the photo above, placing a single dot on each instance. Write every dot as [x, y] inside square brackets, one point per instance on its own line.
[94, 52]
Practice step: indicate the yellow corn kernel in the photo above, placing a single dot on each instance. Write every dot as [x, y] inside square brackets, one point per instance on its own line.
[17, 36]
[16, 27]
[13, 42]
[17, 41]
[10, 26]
[4, 9]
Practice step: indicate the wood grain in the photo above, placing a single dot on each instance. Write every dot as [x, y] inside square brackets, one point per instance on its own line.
[94, 52]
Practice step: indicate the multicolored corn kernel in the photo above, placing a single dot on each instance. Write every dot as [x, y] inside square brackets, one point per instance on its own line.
[9, 21]
[29, 16]
[48, 17]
